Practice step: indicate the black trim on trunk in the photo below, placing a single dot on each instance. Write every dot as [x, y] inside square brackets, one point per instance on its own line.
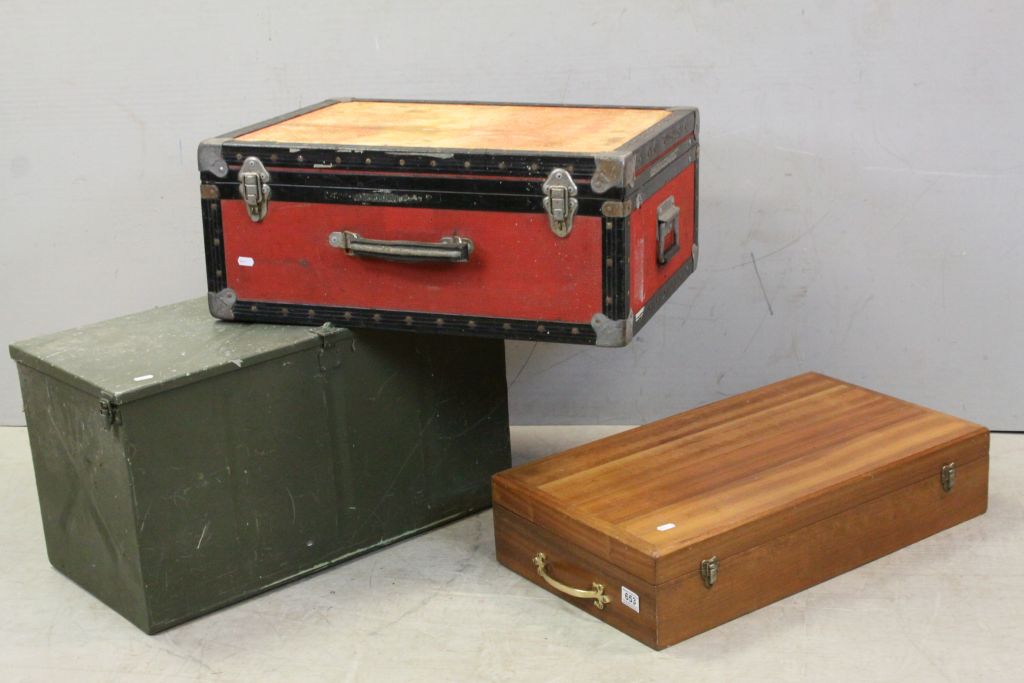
[437, 323]
[403, 191]
[213, 237]
[411, 160]
[615, 267]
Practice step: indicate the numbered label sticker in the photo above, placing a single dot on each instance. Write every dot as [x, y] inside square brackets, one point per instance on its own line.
[630, 599]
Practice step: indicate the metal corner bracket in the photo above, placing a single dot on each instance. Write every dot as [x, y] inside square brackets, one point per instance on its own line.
[211, 158]
[612, 332]
[222, 303]
[611, 208]
[609, 172]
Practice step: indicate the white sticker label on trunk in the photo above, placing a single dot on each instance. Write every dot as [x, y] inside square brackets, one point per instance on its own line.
[246, 261]
[630, 599]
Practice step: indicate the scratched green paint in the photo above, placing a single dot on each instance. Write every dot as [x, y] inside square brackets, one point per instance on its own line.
[244, 455]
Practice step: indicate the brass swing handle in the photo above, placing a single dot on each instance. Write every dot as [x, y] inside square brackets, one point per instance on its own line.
[452, 249]
[597, 592]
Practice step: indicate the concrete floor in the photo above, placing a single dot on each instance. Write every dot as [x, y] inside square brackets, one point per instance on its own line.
[439, 607]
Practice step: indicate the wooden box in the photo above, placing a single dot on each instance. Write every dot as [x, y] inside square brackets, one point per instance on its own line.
[185, 463]
[544, 222]
[670, 529]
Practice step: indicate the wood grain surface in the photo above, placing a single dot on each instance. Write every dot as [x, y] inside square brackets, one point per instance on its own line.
[791, 562]
[732, 475]
[463, 126]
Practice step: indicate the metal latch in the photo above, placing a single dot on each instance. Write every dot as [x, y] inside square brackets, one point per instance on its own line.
[560, 201]
[709, 571]
[948, 476]
[253, 185]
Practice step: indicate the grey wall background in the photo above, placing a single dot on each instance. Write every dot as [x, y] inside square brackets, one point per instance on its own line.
[869, 157]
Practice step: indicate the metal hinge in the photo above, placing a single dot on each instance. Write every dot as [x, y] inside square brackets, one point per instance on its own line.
[709, 571]
[948, 476]
[254, 187]
[110, 413]
[560, 201]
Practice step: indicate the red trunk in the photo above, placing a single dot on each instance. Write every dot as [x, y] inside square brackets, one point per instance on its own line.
[569, 224]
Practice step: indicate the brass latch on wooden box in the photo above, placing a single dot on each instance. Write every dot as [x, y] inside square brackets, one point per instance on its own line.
[709, 571]
[948, 476]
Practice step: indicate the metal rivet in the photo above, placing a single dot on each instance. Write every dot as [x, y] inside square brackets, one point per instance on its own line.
[273, 157]
[502, 165]
[439, 322]
[216, 241]
[471, 323]
[575, 330]
[608, 262]
[376, 317]
[220, 273]
[433, 163]
[408, 320]
[337, 160]
[300, 158]
[238, 156]
[506, 326]
[368, 161]
[570, 168]
[284, 311]
[541, 329]
[254, 307]
[311, 312]
[348, 315]
[607, 299]
[401, 162]
[465, 164]
[534, 166]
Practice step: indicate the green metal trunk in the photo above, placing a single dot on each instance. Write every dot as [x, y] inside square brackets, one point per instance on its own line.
[184, 463]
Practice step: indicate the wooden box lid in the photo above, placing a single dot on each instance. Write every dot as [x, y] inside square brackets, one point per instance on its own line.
[734, 474]
[450, 125]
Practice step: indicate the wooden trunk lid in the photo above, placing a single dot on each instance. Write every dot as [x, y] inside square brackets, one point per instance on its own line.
[609, 151]
[732, 475]
[451, 125]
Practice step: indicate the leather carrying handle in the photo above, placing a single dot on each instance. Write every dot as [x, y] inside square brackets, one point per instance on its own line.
[452, 249]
